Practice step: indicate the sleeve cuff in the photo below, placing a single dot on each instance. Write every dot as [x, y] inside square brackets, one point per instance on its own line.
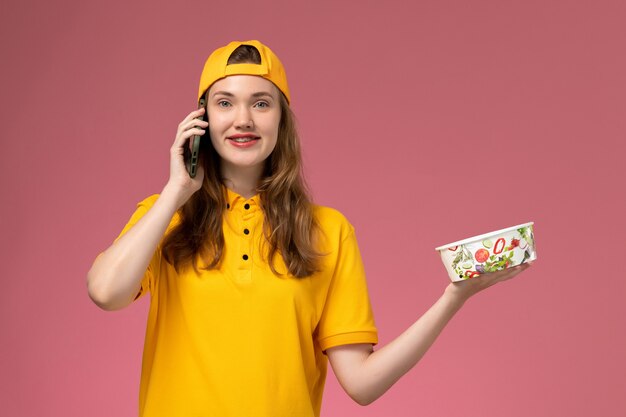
[348, 338]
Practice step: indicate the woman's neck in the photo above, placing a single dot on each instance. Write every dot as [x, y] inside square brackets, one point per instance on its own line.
[243, 181]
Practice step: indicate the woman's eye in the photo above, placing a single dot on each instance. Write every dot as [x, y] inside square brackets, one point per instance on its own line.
[223, 103]
[262, 104]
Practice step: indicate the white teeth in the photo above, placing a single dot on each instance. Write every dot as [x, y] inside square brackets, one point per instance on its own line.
[242, 140]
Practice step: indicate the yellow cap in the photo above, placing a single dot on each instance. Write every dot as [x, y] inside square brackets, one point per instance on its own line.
[216, 67]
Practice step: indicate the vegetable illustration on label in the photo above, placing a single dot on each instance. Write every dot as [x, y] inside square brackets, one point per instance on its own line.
[481, 255]
[463, 255]
[499, 246]
[527, 235]
[497, 263]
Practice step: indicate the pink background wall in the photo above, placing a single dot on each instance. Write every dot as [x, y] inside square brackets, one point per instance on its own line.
[424, 122]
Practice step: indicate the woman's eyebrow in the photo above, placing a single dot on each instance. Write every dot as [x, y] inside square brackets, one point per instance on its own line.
[262, 93]
[228, 94]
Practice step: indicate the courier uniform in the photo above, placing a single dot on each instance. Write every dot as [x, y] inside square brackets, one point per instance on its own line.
[239, 340]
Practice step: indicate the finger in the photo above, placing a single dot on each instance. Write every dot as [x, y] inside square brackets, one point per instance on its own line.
[188, 121]
[512, 272]
[194, 114]
[193, 123]
[190, 124]
[518, 268]
[193, 130]
[180, 140]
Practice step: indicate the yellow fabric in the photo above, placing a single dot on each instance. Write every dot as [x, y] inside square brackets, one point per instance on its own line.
[241, 341]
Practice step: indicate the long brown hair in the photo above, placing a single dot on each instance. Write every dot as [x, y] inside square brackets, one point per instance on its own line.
[289, 227]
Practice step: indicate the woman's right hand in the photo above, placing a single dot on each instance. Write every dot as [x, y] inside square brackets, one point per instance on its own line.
[180, 183]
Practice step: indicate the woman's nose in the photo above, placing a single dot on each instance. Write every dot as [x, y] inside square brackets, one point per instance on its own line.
[244, 119]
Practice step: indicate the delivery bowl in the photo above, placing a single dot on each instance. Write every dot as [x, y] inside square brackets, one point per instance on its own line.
[489, 252]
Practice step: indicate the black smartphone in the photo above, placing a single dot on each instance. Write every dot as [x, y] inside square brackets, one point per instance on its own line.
[191, 156]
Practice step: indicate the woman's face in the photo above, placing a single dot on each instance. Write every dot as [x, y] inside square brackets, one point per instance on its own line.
[244, 115]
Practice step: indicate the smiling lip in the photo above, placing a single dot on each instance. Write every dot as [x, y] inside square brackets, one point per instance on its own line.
[243, 135]
[243, 140]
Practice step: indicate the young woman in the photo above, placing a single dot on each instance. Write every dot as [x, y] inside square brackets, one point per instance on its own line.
[252, 286]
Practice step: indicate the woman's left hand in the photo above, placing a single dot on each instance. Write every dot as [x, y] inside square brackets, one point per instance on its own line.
[467, 288]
